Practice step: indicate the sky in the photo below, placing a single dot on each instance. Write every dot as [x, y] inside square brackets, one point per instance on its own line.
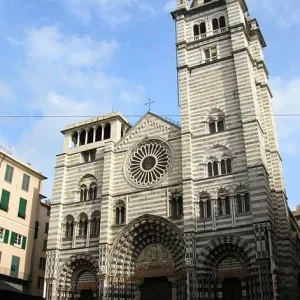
[68, 60]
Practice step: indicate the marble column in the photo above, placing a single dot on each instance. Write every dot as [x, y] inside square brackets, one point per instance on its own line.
[88, 234]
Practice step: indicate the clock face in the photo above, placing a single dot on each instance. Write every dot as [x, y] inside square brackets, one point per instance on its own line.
[148, 163]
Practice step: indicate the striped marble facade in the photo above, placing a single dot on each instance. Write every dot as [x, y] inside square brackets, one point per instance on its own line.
[225, 226]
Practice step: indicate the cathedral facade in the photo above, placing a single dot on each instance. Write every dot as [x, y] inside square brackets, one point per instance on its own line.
[196, 211]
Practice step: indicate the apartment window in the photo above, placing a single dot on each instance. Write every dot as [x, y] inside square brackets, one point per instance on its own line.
[9, 173]
[22, 208]
[40, 284]
[4, 234]
[14, 267]
[4, 200]
[48, 211]
[46, 227]
[45, 245]
[210, 54]
[18, 240]
[25, 182]
[89, 156]
[42, 263]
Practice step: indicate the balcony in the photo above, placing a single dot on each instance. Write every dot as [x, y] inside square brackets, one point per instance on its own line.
[208, 34]
[13, 274]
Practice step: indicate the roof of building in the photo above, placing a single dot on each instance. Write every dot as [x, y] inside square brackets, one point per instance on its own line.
[20, 164]
[95, 120]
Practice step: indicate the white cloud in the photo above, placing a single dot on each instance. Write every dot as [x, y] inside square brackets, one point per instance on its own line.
[48, 43]
[64, 75]
[111, 12]
[283, 13]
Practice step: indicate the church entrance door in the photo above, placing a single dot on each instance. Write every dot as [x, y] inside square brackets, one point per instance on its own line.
[232, 289]
[86, 295]
[156, 289]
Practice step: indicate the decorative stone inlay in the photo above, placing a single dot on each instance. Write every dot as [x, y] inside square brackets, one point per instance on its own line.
[148, 163]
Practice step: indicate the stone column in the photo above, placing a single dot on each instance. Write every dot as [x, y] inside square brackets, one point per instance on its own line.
[78, 138]
[273, 265]
[213, 214]
[86, 136]
[94, 135]
[233, 211]
[88, 233]
[75, 229]
[102, 137]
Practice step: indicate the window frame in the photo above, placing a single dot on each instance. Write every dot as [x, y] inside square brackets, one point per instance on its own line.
[9, 172]
[2, 233]
[25, 182]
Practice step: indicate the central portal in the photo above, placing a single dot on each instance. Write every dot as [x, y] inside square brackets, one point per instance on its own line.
[232, 289]
[158, 288]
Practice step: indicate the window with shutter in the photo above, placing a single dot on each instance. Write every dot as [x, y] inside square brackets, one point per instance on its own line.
[9, 173]
[4, 200]
[45, 245]
[36, 229]
[14, 269]
[12, 238]
[24, 239]
[46, 227]
[25, 182]
[22, 208]
[1, 234]
[6, 236]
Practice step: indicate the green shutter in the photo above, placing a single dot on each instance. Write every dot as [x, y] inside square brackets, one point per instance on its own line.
[45, 245]
[24, 239]
[46, 227]
[4, 200]
[6, 235]
[22, 208]
[12, 238]
[14, 269]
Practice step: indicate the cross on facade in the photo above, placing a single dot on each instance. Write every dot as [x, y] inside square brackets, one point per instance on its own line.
[149, 104]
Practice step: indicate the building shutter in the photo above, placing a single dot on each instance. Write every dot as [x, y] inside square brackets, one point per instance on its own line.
[25, 182]
[22, 208]
[12, 238]
[9, 173]
[6, 235]
[14, 269]
[5, 199]
[24, 239]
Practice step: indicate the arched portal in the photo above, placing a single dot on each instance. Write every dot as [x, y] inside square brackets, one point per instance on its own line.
[78, 278]
[151, 250]
[228, 270]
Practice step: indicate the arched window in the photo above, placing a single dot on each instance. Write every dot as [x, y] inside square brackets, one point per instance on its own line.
[95, 193]
[83, 221]
[223, 167]
[212, 126]
[204, 206]
[220, 125]
[99, 134]
[208, 208]
[107, 131]
[247, 202]
[69, 226]
[120, 212]
[243, 201]
[95, 223]
[202, 28]
[239, 204]
[196, 30]
[82, 137]
[215, 24]
[210, 170]
[220, 207]
[216, 168]
[228, 164]
[176, 206]
[222, 22]
[90, 136]
[75, 139]
[227, 205]
[83, 193]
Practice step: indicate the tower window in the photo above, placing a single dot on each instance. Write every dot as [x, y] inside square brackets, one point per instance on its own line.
[215, 24]
[176, 206]
[89, 156]
[243, 202]
[216, 168]
[202, 28]
[210, 54]
[120, 213]
[205, 206]
[196, 30]
[216, 125]
[219, 24]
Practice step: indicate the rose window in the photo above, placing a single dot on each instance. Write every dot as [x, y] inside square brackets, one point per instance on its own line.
[148, 163]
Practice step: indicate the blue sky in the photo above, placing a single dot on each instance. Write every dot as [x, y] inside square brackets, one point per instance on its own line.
[89, 57]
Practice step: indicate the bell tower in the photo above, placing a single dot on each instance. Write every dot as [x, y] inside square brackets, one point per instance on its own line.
[230, 150]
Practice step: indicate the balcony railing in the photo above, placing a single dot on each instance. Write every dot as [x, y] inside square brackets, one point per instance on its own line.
[14, 274]
[208, 34]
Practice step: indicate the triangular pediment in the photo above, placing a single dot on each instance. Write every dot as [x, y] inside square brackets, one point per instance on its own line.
[149, 125]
